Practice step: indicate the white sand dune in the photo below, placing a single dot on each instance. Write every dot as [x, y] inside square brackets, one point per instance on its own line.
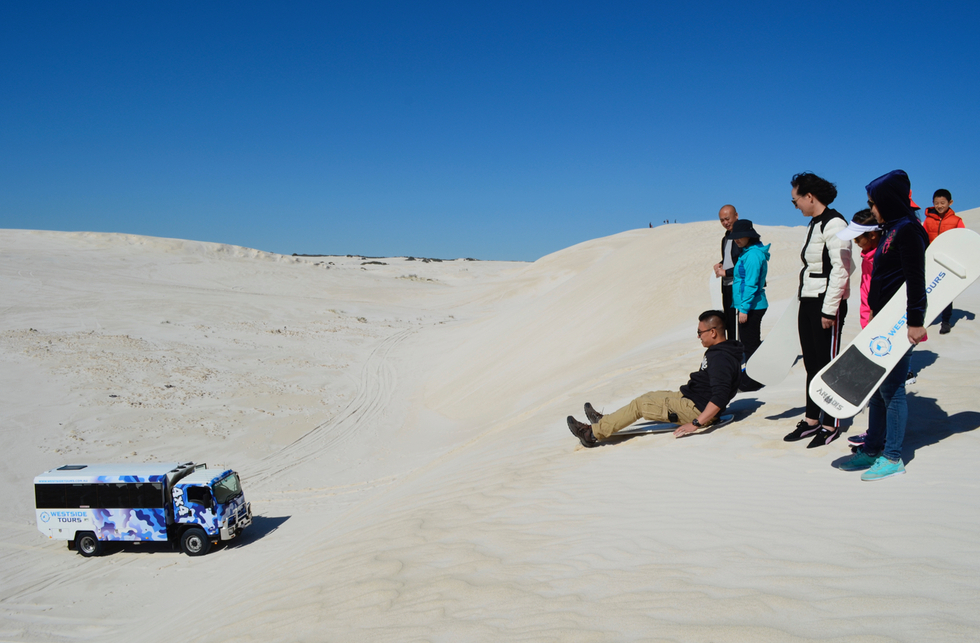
[400, 431]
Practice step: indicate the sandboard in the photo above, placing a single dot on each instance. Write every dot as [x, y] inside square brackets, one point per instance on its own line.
[843, 387]
[714, 287]
[668, 427]
[773, 360]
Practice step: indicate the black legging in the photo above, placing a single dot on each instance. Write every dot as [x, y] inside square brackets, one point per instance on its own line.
[819, 345]
[731, 315]
[750, 333]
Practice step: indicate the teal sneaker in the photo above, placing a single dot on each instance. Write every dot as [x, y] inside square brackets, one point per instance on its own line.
[884, 468]
[860, 460]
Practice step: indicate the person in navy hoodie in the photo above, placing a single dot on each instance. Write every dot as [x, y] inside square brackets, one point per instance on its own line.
[899, 261]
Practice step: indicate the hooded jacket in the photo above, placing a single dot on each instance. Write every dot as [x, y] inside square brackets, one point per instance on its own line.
[749, 286]
[717, 379]
[901, 254]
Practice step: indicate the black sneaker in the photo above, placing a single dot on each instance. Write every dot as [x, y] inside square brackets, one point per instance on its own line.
[944, 328]
[583, 432]
[803, 430]
[591, 414]
[858, 440]
[823, 438]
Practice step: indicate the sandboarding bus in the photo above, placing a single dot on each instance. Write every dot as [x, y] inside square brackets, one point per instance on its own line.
[186, 504]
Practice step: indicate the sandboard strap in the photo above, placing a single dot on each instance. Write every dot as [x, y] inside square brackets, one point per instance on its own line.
[949, 264]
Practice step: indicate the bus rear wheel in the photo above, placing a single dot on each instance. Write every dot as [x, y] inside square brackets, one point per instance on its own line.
[195, 542]
[87, 544]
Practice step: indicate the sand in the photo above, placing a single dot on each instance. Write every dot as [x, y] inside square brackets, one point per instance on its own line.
[399, 426]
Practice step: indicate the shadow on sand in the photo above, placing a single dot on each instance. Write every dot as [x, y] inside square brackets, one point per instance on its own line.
[261, 527]
[928, 424]
[922, 359]
[955, 318]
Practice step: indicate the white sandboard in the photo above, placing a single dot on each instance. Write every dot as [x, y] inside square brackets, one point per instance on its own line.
[714, 287]
[843, 387]
[772, 361]
[668, 427]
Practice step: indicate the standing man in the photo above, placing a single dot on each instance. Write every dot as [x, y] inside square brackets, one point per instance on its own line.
[823, 293]
[725, 268]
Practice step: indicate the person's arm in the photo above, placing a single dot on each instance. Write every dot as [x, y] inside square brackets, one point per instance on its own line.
[913, 257]
[710, 411]
[723, 373]
[718, 267]
[840, 270]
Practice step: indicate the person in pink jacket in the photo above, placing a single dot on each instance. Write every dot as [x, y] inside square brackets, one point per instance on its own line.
[864, 230]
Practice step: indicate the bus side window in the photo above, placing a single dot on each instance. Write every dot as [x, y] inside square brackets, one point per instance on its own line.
[146, 495]
[49, 496]
[200, 496]
[81, 496]
[114, 496]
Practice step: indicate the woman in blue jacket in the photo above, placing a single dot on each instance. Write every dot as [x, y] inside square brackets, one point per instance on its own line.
[749, 284]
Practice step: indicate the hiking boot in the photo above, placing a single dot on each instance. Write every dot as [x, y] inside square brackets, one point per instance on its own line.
[883, 468]
[583, 432]
[592, 415]
[803, 430]
[823, 438]
[859, 461]
[858, 440]
[944, 328]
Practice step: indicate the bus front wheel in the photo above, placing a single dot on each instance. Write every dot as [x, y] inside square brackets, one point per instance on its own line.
[195, 542]
[87, 544]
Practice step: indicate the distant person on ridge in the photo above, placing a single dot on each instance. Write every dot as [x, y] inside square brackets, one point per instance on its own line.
[725, 268]
[824, 288]
[940, 218]
[696, 405]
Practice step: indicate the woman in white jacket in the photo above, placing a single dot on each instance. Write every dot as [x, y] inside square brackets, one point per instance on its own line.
[823, 293]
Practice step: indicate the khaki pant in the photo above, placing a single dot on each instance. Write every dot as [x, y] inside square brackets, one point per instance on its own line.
[655, 406]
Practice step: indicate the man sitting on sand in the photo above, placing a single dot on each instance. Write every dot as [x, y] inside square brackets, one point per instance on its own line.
[696, 405]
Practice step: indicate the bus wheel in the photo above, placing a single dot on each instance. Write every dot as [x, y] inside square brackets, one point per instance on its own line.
[195, 542]
[87, 544]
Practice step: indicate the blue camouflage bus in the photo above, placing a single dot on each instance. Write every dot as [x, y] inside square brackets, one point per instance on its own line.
[185, 504]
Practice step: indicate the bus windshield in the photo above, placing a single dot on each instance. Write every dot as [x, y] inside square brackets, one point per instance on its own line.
[227, 488]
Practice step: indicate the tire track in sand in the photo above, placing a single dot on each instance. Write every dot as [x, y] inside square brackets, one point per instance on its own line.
[375, 385]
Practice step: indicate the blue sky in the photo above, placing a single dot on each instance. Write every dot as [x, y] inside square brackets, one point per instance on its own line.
[494, 131]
